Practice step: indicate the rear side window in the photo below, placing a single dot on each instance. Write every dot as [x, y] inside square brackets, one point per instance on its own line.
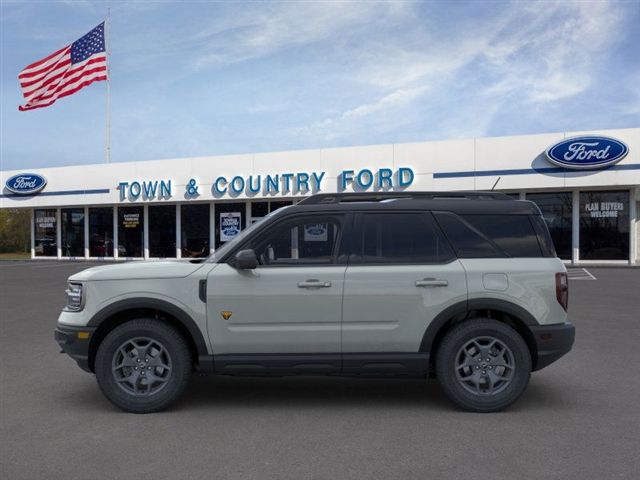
[514, 234]
[544, 236]
[487, 236]
[401, 238]
[466, 240]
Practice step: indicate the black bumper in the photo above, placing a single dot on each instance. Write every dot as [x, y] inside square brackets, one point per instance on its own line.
[552, 342]
[72, 341]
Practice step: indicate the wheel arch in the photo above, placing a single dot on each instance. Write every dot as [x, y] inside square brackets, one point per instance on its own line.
[122, 311]
[502, 310]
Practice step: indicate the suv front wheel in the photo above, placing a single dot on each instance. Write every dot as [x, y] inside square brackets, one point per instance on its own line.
[483, 365]
[143, 365]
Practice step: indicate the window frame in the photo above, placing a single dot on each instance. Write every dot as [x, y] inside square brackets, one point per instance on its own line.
[339, 256]
[358, 236]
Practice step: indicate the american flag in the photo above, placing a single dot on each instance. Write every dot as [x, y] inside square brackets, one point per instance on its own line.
[66, 71]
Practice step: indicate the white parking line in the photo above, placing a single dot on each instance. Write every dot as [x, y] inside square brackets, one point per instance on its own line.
[580, 274]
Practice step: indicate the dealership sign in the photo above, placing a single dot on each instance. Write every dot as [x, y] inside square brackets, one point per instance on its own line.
[26, 183]
[589, 152]
[273, 184]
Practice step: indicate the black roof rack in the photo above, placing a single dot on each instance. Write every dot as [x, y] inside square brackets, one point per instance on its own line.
[328, 198]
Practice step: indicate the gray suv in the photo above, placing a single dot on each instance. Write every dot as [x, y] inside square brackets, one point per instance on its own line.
[464, 287]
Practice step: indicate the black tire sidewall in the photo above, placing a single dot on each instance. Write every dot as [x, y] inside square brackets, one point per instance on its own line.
[456, 339]
[179, 375]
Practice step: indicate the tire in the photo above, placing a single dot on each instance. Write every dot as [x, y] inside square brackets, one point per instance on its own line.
[143, 365]
[471, 365]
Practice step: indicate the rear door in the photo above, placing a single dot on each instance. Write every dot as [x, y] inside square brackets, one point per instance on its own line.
[402, 273]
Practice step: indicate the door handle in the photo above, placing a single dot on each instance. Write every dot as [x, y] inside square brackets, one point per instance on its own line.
[432, 282]
[313, 283]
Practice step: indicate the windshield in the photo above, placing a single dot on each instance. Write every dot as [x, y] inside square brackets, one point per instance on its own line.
[226, 247]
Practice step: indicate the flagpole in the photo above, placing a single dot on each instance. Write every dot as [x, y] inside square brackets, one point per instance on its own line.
[107, 35]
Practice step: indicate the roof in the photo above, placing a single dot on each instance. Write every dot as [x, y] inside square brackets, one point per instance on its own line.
[472, 202]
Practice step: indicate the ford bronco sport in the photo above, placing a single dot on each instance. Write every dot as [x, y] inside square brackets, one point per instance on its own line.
[465, 287]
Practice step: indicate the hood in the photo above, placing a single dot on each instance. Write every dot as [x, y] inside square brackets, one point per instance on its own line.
[138, 270]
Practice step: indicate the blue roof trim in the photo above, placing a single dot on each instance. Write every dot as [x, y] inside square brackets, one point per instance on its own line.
[529, 171]
[55, 194]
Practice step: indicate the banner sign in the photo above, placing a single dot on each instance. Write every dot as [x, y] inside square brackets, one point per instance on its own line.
[230, 225]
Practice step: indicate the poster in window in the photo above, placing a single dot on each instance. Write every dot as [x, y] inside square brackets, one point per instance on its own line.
[131, 220]
[316, 232]
[229, 225]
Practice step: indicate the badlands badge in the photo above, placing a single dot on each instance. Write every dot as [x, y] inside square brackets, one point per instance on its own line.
[226, 314]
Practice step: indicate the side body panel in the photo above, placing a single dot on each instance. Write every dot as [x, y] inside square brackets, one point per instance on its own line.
[526, 282]
[271, 313]
[387, 308]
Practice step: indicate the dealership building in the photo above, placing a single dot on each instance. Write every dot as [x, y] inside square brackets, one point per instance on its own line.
[587, 185]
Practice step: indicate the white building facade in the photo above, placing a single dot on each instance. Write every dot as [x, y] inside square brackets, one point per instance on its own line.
[188, 207]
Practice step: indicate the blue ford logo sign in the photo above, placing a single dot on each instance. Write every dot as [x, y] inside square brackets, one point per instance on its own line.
[26, 183]
[587, 152]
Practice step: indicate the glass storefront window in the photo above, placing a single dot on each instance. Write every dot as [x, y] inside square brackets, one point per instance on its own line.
[604, 225]
[273, 206]
[101, 232]
[556, 208]
[72, 222]
[259, 210]
[162, 231]
[194, 226]
[230, 220]
[45, 231]
[131, 231]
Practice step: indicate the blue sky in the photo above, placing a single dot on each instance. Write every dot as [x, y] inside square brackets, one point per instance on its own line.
[207, 78]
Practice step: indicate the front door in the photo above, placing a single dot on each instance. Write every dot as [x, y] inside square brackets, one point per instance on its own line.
[290, 305]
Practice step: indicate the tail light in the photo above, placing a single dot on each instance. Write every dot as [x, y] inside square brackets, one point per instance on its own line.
[562, 289]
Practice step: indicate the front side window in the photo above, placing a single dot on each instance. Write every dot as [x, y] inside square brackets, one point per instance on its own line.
[401, 238]
[305, 240]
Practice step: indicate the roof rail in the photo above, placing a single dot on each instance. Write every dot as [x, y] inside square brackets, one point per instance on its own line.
[328, 198]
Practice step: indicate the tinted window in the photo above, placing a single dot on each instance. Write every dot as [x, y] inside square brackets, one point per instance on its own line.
[194, 224]
[72, 220]
[101, 232]
[162, 231]
[556, 209]
[45, 231]
[401, 238]
[514, 234]
[467, 241]
[130, 231]
[299, 241]
[604, 225]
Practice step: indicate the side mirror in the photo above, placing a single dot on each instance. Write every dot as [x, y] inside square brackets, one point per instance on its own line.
[245, 260]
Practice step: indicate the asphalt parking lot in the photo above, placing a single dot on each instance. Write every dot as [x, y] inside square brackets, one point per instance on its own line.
[579, 419]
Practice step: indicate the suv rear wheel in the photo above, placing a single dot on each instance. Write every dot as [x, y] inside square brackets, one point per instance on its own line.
[143, 365]
[483, 365]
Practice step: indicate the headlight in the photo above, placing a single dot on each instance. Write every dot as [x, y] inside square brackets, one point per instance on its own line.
[74, 297]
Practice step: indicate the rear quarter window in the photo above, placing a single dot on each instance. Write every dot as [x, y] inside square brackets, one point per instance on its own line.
[486, 236]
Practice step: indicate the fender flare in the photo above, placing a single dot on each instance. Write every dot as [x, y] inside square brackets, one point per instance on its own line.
[154, 304]
[466, 306]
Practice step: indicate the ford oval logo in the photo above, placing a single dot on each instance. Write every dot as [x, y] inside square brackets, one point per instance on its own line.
[587, 152]
[26, 183]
